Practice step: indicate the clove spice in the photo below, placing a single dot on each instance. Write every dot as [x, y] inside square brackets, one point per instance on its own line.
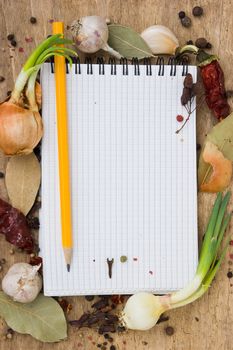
[110, 263]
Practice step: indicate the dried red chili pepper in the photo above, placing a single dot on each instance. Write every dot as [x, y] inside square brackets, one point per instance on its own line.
[14, 226]
[213, 80]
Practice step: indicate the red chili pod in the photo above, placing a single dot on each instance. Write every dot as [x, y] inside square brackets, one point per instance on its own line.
[213, 81]
[14, 226]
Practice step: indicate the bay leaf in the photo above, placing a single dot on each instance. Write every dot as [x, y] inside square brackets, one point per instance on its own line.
[128, 42]
[220, 135]
[23, 181]
[43, 318]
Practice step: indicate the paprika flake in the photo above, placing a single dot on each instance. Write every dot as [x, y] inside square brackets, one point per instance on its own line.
[213, 81]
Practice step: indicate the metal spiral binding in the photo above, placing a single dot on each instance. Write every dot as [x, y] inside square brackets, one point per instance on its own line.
[160, 62]
[147, 63]
[124, 63]
[135, 62]
[100, 62]
[112, 61]
[52, 65]
[172, 63]
[67, 67]
[77, 64]
[184, 63]
[88, 62]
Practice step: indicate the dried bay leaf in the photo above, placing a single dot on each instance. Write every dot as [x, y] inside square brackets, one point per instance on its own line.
[43, 318]
[220, 135]
[23, 181]
[128, 42]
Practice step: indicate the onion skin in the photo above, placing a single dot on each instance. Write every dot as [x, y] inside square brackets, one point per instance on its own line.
[20, 129]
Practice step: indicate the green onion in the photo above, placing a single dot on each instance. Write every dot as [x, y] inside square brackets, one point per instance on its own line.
[48, 48]
[143, 310]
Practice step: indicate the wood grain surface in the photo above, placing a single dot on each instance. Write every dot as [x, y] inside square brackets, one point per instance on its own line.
[207, 323]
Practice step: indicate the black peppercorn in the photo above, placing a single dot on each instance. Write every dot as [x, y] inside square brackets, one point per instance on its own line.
[189, 42]
[1, 175]
[33, 20]
[197, 11]
[1, 78]
[186, 21]
[169, 330]
[10, 37]
[181, 14]
[13, 43]
[89, 297]
[8, 93]
[201, 43]
[229, 274]
[112, 347]
[208, 46]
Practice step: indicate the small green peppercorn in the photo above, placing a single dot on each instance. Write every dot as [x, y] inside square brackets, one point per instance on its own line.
[123, 258]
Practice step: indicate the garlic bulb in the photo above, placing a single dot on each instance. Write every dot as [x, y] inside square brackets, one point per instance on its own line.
[22, 282]
[20, 129]
[160, 40]
[91, 34]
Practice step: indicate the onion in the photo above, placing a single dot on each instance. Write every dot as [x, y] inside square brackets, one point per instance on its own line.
[20, 129]
[21, 125]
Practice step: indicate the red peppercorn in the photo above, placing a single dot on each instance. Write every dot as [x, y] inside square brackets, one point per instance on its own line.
[179, 118]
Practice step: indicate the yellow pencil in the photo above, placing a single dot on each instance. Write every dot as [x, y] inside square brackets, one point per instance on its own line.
[63, 151]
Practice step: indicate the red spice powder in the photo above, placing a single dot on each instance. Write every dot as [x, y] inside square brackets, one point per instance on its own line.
[231, 242]
[231, 256]
[29, 39]
[21, 49]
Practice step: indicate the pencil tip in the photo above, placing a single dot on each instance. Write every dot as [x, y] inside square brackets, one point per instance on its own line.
[68, 267]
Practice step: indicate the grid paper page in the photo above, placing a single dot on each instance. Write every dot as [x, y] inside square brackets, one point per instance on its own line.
[133, 183]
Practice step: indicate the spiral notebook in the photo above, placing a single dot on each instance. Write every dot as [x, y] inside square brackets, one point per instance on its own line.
[133, 181]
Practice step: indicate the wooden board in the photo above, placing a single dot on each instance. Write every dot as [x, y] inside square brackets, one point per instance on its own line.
[206, 324]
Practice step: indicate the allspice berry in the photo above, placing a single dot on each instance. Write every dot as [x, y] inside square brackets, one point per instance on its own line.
[33, 20]
[186, 21]
[197, 11]
[201, 43]
[169, 330]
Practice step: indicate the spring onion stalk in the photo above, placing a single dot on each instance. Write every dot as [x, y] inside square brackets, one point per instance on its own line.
[142, 310]
[46, 49]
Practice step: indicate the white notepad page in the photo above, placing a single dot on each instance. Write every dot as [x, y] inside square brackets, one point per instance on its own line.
[133, 183]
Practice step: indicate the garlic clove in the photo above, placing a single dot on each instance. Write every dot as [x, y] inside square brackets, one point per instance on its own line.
[160, 39]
